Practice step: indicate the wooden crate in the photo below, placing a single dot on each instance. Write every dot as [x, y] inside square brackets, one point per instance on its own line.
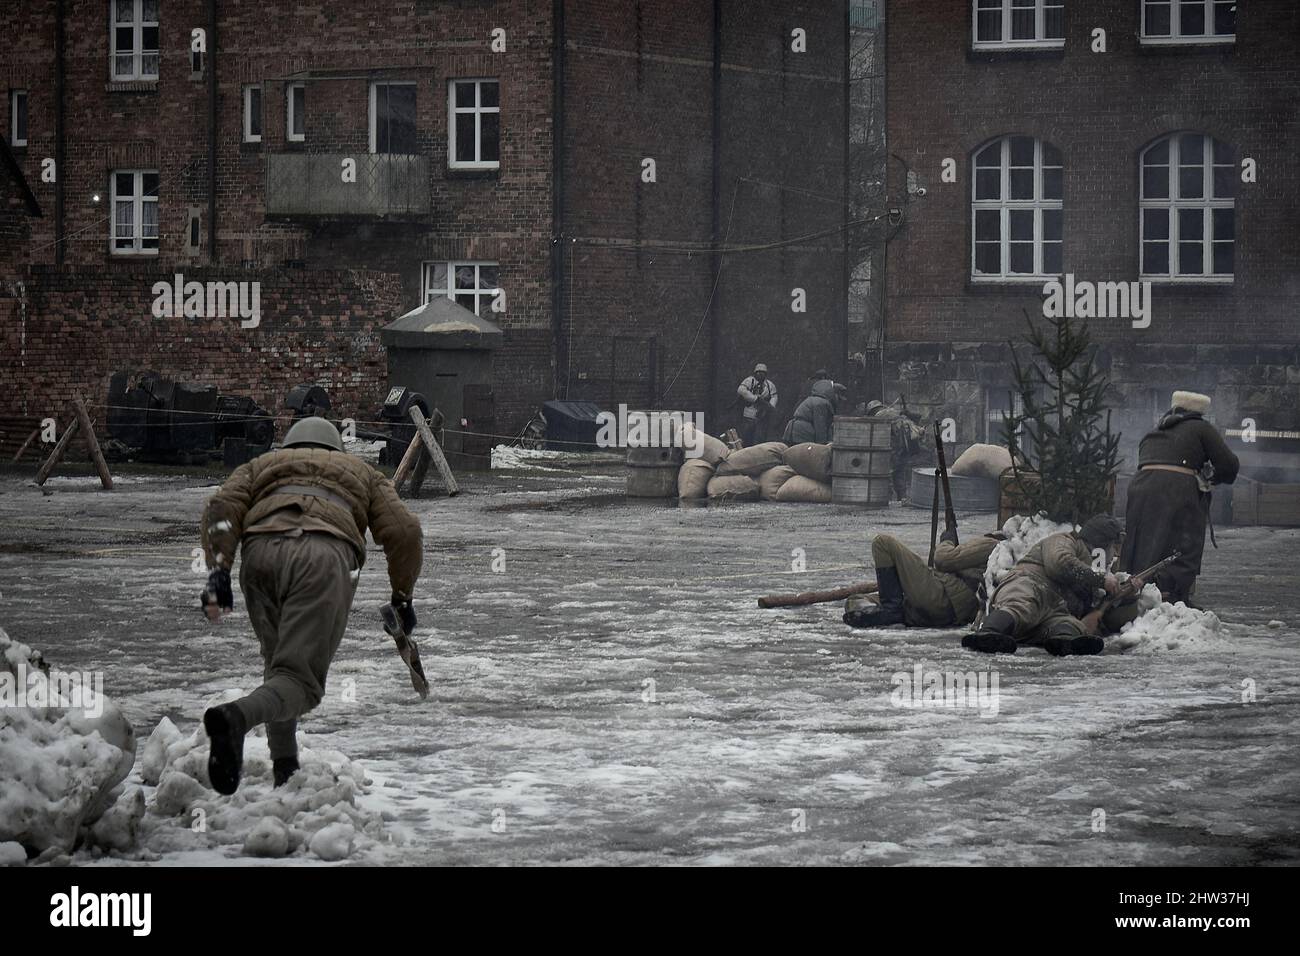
[1265, 503]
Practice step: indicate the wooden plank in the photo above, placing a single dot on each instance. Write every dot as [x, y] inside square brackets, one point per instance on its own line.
[60, 447]
[439, 459]
[30, 438]
[817, 597]
[88, 435]
[418, 474]
[407, 463]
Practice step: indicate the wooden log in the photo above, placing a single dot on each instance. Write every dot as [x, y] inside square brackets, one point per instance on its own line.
[419, 472]
[88, 435]
[408, 462]
[30, 438]
[60, 447]
[439, 459]
[817, 597]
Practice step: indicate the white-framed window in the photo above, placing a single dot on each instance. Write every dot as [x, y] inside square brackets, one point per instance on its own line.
[1189, 21]
[1009, 24]
[392, 118]
[134, 196]
[295, 117]
[1188, 219]
[472, 284]
[474, 124]
[133, 36]
[253, 113]
[1017, 214]
[17, 117]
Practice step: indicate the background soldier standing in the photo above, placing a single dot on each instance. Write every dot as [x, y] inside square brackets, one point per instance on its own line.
[917, 595]
[757, 396]
[301, 514]
[1169, 499]
[1043, 598]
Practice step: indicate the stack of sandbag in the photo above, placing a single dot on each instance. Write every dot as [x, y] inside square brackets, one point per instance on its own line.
[809, 477]
[771, 471]
[982, 461]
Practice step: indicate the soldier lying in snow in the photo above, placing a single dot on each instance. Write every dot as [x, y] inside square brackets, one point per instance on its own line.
[1044, 598]
[917, 595]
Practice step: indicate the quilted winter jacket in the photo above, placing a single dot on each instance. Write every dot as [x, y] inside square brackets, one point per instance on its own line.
[249, 495]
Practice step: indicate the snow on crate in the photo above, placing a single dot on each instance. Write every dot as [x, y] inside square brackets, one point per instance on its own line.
[64, 750]
[315, 815]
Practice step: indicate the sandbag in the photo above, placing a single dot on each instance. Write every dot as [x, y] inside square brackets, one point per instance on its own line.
[693, 478]
[981, 461]
[753, 461]
[714, 449]
[810, 460]
[800, 488]
[770, 481]
[734, 487]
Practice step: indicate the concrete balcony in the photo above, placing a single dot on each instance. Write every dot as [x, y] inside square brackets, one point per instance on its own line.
[312, 184]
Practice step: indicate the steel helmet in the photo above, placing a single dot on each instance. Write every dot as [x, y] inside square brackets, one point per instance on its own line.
[314, 431]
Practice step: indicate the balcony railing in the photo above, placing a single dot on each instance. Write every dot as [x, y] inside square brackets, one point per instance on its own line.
[319, 184]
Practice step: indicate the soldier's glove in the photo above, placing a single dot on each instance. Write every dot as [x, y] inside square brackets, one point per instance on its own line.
[949, 535]
[218, 591]
[403, 611]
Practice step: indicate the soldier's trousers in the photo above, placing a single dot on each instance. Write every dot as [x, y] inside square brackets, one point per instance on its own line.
[1038, 609]
[930, 598]
[298, 587]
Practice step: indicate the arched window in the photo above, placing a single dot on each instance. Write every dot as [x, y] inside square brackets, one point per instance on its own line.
[1016, 209]
[1189, 184]
[1000, 24]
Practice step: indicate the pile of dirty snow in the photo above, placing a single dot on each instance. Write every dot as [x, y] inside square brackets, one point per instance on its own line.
[1022, 534]
[64, 750]
[511, 456]
[1169, 627]
[314, 815]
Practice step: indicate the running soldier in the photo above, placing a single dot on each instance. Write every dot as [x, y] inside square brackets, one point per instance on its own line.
[300, 514]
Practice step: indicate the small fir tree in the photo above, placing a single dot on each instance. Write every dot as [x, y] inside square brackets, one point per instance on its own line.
[1063, 453]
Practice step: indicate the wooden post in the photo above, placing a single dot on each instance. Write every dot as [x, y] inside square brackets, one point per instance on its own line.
[60, 447]
[817, 597]
[30, 438]
[88, 434]
[421, 469]
[435, 452]
[408, 461]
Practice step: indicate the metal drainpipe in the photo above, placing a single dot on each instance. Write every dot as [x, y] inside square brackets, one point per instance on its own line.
[212, 130]
[558, 332]
[712, 400]
[59, 131]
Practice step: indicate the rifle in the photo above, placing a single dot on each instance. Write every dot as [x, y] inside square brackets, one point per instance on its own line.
[1128, 591]
[949, 516]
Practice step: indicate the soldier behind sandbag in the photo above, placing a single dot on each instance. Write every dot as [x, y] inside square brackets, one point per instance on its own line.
[757, 395]
[300, 515]
[1169, 499]
[917, 595]
[1046, 595]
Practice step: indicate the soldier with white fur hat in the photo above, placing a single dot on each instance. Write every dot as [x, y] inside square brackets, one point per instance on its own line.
[1169, 499]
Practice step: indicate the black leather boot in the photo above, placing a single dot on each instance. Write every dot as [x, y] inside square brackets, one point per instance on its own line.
[282, 768]
[226, 728]
[889, 612]
[995, 636]
[1073, 646]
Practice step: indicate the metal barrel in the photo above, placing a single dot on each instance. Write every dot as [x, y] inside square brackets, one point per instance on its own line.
[652, 472]
[968, 493]
[861, 462]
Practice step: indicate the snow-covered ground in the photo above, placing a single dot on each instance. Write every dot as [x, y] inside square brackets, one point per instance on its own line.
[605, 689]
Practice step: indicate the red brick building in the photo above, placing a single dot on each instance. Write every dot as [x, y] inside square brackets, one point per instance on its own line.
[563, 167]
[1114, 140]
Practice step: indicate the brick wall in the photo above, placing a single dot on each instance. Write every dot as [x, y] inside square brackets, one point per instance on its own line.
[944, 333]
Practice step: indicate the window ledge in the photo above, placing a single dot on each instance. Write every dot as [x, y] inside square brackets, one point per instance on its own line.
[1009, 282]
[1184, 42]
[472, 172]
[1025, 51]
[131, 86]
[1200, 282]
